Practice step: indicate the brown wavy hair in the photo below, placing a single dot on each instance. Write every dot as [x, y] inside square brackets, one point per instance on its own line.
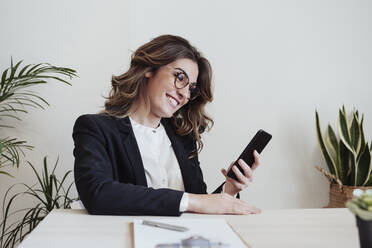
[190, 119]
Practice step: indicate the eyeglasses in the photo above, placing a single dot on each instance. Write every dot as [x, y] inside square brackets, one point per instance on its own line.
[181, 80]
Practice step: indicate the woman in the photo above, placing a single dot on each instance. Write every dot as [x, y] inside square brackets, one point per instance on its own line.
[140, 155]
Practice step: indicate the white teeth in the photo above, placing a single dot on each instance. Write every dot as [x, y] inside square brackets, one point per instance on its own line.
[172, 101]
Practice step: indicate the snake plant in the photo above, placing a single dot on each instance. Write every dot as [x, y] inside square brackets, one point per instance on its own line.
[348, 156]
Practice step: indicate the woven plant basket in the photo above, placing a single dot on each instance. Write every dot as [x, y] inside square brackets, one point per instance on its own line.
[339, 194]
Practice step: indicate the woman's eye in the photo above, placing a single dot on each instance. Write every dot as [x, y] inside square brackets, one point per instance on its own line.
[180, 77]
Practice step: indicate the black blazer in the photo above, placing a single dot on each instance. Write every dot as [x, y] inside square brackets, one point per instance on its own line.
[109, 173]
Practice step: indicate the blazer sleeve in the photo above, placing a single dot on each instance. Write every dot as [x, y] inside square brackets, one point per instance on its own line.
[198, 184]
[191, 147]
[94, 179]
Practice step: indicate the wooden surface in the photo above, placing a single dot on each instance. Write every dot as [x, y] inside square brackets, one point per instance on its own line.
[272, 228]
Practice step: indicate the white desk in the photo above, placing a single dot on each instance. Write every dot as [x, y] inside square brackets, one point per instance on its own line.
[297, 228]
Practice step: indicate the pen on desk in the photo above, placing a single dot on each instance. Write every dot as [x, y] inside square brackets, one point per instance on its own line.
[165, 226]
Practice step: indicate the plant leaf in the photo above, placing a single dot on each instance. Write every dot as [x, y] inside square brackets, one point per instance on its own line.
[3, 79]
[369, 181]
[29, 75]
[37, 175]
[362, 138]
[344, 155]
[355, 134]
[334, 144]
[344, 110]
[332, 139]
[344, 131]
[364, 167]
[354, 169]
[331, 165]
[20, 74]
[6, 173]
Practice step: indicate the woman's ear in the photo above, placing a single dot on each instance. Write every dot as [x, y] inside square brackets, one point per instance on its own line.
[149, 74]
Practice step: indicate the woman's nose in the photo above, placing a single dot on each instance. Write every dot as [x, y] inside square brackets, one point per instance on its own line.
[184, 92]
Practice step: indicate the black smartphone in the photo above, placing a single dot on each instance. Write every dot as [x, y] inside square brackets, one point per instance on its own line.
[258, 143]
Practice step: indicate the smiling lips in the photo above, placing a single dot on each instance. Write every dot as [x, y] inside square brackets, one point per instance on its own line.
[173, 102]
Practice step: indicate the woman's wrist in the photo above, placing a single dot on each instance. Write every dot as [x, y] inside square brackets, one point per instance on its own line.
[226, 189]
[194, 204]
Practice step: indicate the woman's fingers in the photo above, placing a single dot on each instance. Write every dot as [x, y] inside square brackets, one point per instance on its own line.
[237, 185]
[231, 165]
[248, 173]
[243, 179]
[248, 170]
[256, 160]
[236, 206]
[253, 210]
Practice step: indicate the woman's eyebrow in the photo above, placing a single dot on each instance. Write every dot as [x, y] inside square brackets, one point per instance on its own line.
[182, 71]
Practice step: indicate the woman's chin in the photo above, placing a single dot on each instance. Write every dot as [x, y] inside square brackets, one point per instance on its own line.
[169, 115]
[167, 112]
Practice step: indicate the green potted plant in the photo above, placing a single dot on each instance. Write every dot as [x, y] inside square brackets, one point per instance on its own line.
[16, 97]
[348, 157]
[361, 206]
[47, 194]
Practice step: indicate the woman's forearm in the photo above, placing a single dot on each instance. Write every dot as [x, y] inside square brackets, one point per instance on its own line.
[219, 204]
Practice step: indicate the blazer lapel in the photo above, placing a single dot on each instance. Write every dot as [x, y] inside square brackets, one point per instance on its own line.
[181, 154]
[131, 147]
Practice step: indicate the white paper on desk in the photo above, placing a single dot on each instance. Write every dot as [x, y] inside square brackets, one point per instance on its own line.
[216, 230]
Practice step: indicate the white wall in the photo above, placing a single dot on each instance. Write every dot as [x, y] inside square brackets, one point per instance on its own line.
[274, 63]
[89, 36]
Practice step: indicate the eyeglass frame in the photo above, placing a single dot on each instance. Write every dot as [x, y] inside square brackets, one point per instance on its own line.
[188, 83]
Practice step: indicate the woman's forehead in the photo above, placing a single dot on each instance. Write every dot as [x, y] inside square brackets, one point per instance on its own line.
[187, 65]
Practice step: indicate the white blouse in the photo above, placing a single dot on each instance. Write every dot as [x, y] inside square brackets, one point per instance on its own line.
[159, 161]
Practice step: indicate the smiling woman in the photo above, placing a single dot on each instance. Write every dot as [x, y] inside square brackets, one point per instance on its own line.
[140, 155]
[157, 64]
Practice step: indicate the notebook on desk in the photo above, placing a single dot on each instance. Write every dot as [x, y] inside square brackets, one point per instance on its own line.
[215, 231]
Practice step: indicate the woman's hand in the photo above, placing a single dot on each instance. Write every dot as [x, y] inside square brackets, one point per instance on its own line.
[232, 187]
[219, 204]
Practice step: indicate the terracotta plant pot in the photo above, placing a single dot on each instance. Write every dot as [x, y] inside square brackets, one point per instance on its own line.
[338, 195]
